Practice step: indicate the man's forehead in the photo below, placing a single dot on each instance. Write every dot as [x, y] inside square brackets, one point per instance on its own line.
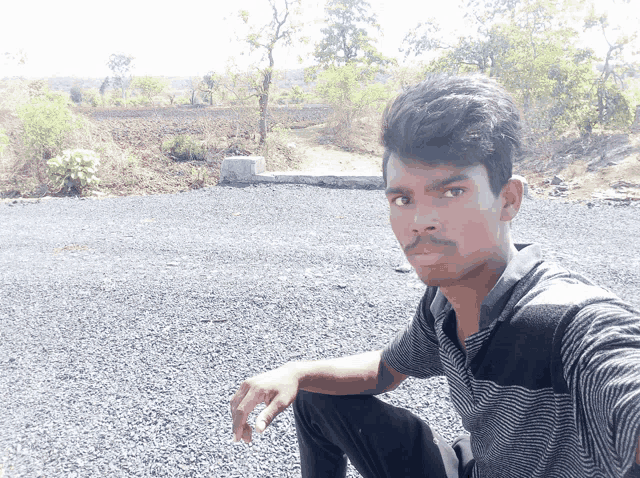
[402, 169]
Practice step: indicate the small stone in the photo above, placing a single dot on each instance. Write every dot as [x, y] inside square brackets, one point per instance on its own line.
[557, 180]
[406, 267]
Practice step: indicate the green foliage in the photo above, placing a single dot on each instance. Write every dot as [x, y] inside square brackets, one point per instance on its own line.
[350, 91]
[199, 177]
[74, 169]
[297, 94]
[91, 97]
[350, 87]
[530, 47]
[150, 86]
[184, 148]
[345, 39]
[4, 141]
[46, 122]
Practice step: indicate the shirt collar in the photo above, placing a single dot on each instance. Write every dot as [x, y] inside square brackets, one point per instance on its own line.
[528, 257]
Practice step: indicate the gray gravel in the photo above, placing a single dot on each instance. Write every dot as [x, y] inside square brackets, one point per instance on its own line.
[126, 324]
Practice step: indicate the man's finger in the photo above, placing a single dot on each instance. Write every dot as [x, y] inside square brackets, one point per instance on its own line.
[238, 396]
[246, 434]
[268, 414]
[243, 410]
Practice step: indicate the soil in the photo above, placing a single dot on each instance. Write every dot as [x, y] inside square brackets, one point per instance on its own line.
[599, 166]
[330, 159]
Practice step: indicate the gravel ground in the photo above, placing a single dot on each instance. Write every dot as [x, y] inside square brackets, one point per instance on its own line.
[126, 324]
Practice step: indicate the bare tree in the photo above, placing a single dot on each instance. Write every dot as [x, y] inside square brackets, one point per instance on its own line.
[280, 29]
[121, 65]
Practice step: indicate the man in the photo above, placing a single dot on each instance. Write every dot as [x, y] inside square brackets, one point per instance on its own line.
[543, 366]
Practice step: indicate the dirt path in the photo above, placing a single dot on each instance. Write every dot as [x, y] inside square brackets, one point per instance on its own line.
[329, 159]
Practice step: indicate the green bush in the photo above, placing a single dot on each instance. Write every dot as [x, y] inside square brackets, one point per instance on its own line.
[46, 121]
[297, 94]
[184, 148]
[74, 169]
[91, 97]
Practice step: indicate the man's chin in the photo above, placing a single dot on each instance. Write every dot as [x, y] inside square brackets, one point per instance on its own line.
[437, 278]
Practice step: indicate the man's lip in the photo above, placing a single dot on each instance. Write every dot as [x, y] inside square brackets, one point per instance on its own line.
[426, 252]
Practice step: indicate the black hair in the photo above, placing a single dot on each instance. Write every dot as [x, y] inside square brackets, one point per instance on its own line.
[464, 120]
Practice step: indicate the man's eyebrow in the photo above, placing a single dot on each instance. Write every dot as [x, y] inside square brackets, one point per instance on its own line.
[432, 187]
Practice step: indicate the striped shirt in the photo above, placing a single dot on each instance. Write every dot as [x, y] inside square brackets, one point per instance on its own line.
[549, 386]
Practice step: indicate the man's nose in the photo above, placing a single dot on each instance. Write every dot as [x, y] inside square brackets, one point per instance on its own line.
[426, 219]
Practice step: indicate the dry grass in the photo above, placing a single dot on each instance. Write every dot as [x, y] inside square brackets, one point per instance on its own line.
[140, 167]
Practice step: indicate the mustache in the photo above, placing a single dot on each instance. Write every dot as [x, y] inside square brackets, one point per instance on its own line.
[427, 241]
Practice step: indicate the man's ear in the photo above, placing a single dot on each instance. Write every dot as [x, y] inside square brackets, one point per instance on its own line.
[512, 194]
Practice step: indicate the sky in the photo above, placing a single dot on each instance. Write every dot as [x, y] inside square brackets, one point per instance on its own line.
[190, 38]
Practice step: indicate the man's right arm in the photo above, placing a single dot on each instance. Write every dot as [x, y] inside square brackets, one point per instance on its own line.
[360, 374]
[363, 374]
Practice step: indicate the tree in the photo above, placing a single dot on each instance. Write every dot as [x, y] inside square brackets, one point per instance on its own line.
[150, 86]
[611, 102]
[194, 88]
[76, 94]
[530, 47]
[211, 83]
[345, 39]
[103, 88]
[280, 29]
[121, 65]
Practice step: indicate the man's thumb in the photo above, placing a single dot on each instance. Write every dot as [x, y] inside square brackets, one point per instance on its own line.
[265, 418]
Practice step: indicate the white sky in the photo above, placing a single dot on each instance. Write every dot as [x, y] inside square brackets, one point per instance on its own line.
[76, 38]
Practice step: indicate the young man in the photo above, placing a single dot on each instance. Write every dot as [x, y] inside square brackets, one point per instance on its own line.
[543, 366]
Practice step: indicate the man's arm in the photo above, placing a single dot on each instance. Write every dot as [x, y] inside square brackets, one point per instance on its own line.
[601, 360]
[364, 374]
[354, 375]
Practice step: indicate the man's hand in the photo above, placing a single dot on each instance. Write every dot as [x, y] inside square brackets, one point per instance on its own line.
[277, 389]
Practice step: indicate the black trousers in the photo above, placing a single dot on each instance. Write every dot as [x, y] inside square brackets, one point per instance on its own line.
[380, 440]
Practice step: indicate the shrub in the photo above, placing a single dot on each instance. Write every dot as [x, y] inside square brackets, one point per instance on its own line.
[46, 122]
[74, 169]
[76, 94]
[297, 94]
[184, 148]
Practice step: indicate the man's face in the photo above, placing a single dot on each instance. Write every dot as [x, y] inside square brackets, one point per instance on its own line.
[445, 218]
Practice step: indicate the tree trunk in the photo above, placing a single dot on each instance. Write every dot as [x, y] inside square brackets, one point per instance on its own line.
[264, 99]
[264, 103]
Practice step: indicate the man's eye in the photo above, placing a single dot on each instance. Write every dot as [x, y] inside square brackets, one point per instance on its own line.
[450, 192]
[395, 201]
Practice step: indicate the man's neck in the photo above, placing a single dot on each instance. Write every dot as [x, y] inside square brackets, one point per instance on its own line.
[467, 296]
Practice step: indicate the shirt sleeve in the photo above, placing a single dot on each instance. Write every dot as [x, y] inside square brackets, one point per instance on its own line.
[601, 357]
[414, 351]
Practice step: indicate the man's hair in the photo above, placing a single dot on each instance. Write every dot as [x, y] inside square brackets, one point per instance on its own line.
[464, 120]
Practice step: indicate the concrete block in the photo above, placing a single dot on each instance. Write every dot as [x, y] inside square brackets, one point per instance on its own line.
[241, 168]
[525, 184]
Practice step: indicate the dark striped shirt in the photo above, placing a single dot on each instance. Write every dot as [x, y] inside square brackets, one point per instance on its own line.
[550, 384]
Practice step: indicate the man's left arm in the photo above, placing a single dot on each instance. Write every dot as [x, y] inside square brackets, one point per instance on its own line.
[601, 361]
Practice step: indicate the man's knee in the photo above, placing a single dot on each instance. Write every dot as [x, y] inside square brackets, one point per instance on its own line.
[310, 403]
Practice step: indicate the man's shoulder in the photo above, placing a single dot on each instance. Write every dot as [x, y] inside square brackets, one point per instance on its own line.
[554, 285]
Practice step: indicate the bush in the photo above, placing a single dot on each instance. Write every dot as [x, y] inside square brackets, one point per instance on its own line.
[76, 94]
[46, 122]
[92, 97]
[184, 148]
[74, 169]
